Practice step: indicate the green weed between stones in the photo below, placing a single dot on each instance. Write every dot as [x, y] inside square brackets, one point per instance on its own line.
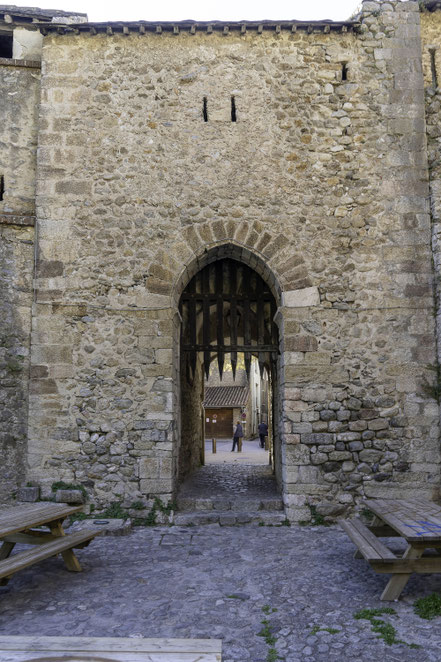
[317, 628]
[428, 607]
[61, 485]
[151, 519]
[137, 505]
[385, 631]
[114, 510]
[266, 632]
[316, 518]
[77, 517]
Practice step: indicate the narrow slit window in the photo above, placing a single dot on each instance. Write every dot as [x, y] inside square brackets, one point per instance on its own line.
[432, 52]
[344, 71]
[2, 187]
[6, 45]
[233, 110]
[205, 109]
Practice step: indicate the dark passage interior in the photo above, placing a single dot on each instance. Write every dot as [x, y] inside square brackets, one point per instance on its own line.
[227, 312]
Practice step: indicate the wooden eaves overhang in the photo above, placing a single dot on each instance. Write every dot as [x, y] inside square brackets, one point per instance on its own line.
[193, 27]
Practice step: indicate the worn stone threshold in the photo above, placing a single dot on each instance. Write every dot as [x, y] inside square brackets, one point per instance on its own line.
[230, 518]
[189, 503]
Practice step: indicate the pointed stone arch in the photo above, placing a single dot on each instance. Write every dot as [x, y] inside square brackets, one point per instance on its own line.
[203, 256]
[256, 244]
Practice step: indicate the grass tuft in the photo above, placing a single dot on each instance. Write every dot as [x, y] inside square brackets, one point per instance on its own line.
[428, 607]
[385, 631]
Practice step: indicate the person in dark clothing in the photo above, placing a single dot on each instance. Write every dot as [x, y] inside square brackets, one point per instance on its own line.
[238, 433]
[263, 432]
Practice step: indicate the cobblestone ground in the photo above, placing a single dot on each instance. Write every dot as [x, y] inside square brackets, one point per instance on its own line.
[218, 582]
[223, 480]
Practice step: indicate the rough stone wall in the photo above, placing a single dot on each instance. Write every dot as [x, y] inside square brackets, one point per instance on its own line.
[18, 137]
[431, 58]
[16, 259]
[378, 434]
[320, 185]
[19, 86]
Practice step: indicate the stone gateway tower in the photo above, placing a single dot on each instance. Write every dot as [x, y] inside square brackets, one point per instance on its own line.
[281, 177]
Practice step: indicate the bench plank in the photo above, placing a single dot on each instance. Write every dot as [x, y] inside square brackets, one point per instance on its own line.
[13, 564]
[370, 547]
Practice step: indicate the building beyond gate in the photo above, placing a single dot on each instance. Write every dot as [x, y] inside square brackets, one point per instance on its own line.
[133, 155]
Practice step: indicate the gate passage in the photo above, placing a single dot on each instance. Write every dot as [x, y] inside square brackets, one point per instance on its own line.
[228, 308]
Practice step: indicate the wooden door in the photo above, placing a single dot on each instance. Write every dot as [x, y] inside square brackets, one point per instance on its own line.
[223, 428]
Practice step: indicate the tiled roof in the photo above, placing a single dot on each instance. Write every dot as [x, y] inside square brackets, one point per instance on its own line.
[38, 14]
[225, 396]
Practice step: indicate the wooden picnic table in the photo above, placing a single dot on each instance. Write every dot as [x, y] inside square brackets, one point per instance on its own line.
[417, 521]
[23, 524]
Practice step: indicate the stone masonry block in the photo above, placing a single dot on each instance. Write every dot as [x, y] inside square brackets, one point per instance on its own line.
[149, 467]
[69, 496]
[28, 494]
[301, 344]
[318, 438]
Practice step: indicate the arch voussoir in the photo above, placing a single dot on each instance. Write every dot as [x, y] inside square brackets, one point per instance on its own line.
[219, 230]
[206, 233]
[277, 244]
[242, 232]
[192, 237]
[265, 239]
[253, 243]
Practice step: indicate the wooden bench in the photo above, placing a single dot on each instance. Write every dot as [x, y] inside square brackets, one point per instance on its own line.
[417, 521]
[60, 545]
[370, 547]
[18, 525]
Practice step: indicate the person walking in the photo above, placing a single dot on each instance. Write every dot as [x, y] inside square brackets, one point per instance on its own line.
[237, 434]
[263, 432]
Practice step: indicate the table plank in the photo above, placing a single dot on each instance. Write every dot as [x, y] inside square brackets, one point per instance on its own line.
[20, 518]
[416, 521]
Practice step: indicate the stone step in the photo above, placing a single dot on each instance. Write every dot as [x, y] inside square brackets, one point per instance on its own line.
[221, 504]
[229, 518]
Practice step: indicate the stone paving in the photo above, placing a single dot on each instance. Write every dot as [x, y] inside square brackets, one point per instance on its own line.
[224, 480]
[217, 582]
[213, 491]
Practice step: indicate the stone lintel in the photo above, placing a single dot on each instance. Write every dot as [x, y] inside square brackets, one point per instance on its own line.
[307, 296]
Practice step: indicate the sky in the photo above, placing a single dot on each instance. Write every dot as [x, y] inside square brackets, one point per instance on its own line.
[202, 10]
